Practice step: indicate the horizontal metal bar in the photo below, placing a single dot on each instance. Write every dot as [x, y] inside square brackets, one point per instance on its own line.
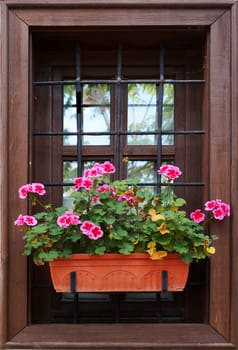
[165, 132]
[148, 184]
[108, 105]
[122, 81]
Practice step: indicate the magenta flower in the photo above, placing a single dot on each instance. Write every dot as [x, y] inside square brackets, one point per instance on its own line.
[210, 205]
[91, 230]
[218, 213]
[77, 183]
[84, 182]
[24, 190]
[95, 232]
[219, 209]
[103, 188]
[68, 219]
[108, 168]
[25, 219]
[20, 220]
[38, 188]
[87, 183]
[30, 220]
[172, 172]
[86, 227]
[197, 216]
[31, 188]
[225, 208]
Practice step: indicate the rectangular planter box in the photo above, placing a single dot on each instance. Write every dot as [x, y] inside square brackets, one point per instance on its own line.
[118, 272]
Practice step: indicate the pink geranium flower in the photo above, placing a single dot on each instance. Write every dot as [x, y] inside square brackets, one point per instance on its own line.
[26, 219]
[197, 216]
[30, 220]
[219, 209]
[68, 219]
[31, 188]
[91, 230]
[95, 233]
[38, 188]
[172, 172]
[218, 214]
[108, 168]
[86, 227]
[24, 190]
[20, 220]
[87, 183]
[210, 205]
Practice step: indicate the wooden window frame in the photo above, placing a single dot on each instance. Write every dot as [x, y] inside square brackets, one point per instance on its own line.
[18, 18]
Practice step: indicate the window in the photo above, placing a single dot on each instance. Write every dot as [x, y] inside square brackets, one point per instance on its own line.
[20, 23]
[135, 105]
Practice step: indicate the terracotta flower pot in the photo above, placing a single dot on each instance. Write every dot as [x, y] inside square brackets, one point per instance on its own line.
[118, 272]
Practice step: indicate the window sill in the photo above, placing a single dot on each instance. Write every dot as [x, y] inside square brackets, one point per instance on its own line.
[119, 337]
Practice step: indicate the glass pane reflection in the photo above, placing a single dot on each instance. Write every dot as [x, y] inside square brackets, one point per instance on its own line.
[95, 113]
[142, 113]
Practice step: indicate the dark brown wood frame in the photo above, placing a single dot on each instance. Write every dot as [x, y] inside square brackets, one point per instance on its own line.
[18, 18]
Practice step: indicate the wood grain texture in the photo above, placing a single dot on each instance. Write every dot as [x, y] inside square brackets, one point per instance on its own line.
[121, 16]
[125, 3]
[3, 173]
[220, 169]
[18, 165]
[234, 177]
[120, 337]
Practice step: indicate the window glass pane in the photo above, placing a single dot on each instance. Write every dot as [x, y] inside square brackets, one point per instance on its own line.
[69, 173]
[168, 114]
[142, 113]
[69, 116]
[142, 170]
[96, 113]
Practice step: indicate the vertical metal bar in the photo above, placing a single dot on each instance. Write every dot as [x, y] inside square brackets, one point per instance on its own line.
[79, 111]
[164, 277]
[118, 118]
[73, 283]
[159, 113]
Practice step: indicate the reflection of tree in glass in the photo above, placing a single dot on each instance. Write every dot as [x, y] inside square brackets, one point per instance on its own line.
[69, 112]
[142, 112]
[69, 173]
[168, 113]
[144, 171]
[98, 96]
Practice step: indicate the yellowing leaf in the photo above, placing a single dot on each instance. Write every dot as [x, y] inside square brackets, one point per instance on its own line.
[211, 250]
[163, 229]
[157, 255]
[151, 244]
[154, 216]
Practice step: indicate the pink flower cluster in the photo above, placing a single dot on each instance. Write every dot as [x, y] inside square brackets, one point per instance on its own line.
[172, 172]
[31, 188]
[218, 208]
[96, 171]
[129, 197]
[91, 230]
[25, 219]
[68, 219]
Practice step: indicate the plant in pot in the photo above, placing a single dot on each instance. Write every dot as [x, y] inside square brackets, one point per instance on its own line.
[118, 220]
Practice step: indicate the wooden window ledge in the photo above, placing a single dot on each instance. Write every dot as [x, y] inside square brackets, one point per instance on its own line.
[119, 336]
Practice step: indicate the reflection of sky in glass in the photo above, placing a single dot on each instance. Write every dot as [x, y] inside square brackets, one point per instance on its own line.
[95, 115]
[142, 113]
[142, 170]
[69, 173]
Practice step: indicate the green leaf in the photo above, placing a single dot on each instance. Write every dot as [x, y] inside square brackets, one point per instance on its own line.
[100, 250]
